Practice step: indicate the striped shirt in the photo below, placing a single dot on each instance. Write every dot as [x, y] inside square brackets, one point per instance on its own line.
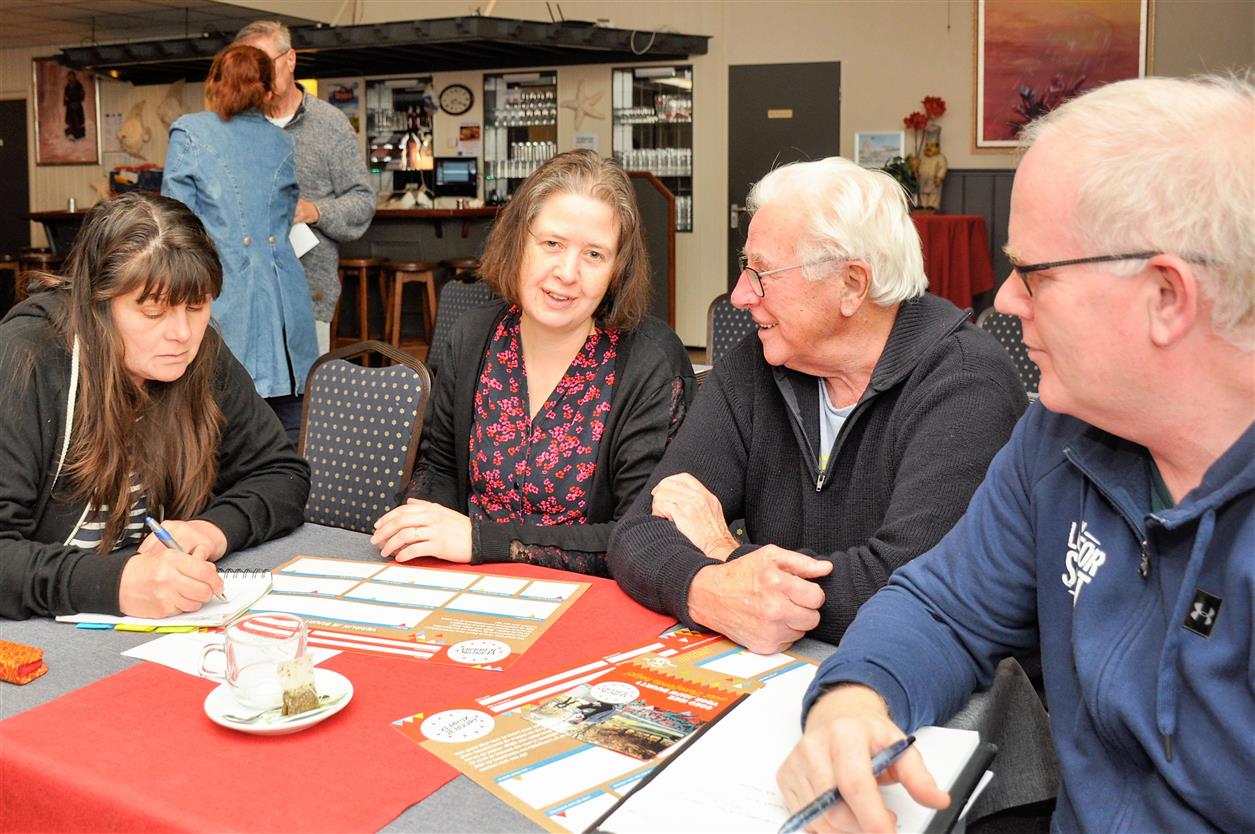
[91, 526]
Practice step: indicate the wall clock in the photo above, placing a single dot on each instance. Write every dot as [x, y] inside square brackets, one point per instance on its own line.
[456, 99]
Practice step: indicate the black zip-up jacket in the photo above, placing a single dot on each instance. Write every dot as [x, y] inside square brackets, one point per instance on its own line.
[259, 494]
[942, 400]
[653, 388]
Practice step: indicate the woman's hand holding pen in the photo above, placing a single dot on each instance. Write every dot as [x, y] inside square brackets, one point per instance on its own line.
[423, 528]
[161, 582]
[201, 539]
[844, 729]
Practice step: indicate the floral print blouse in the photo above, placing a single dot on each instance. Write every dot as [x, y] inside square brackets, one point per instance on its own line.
[538, 471]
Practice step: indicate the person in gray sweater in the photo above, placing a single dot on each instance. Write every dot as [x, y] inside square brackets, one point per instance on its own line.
[337, 200]
[849, 432]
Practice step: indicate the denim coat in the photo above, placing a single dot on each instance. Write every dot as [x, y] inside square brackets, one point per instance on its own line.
[239, 178]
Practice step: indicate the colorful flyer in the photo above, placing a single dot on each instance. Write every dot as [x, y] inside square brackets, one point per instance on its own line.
[443, 616]
[565, 749]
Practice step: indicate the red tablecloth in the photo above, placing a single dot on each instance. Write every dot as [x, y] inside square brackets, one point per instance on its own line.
[136, 752]
[956, 255]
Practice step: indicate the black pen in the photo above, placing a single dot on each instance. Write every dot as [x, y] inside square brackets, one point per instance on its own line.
[820, 804]
[163, 536]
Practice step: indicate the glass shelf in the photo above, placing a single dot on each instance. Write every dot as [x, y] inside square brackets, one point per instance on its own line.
[653, 129]
[520, 129]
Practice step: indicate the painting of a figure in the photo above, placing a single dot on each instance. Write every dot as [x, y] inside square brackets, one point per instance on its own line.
[1033, 56]
[65, 115]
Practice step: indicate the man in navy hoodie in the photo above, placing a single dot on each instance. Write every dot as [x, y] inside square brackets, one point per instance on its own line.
[1116, 530]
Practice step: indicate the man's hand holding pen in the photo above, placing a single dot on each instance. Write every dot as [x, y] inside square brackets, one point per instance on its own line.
[844, 728]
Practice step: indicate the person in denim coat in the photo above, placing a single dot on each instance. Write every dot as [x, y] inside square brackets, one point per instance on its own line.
[237, 172]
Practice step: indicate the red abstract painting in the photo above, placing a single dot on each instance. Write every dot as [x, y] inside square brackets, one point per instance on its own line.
[1031, 56]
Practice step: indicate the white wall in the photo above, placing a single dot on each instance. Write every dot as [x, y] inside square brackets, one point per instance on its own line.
[892, 54]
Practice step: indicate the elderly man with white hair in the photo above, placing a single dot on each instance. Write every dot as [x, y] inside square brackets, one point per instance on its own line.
[1116, 531]
[849, 433]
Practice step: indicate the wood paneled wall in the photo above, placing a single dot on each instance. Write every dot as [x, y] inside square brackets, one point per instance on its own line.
[986, 192]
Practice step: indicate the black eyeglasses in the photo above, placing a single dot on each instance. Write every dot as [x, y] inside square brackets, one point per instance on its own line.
[756, 277]
[1024, 270]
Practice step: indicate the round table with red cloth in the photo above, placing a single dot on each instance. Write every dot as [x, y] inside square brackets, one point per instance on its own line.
[956, 255]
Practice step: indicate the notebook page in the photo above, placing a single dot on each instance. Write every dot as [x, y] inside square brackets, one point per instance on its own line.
[240, 589]
[725, 780]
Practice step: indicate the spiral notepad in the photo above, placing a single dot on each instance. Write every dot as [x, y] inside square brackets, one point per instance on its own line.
[240, 586]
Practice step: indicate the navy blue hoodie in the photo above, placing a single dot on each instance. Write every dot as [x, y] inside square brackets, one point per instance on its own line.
[1144, 620]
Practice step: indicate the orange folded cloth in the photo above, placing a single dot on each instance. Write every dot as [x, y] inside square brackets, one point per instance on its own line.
[19, 663]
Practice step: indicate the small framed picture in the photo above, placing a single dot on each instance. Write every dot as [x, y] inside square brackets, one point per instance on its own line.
[67, 124]
[874, 149]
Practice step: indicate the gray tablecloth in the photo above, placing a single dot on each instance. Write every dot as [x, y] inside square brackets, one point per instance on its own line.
[1009, 714]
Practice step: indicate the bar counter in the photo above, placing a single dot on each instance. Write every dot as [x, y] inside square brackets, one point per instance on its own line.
[60, 227]
[424, 234]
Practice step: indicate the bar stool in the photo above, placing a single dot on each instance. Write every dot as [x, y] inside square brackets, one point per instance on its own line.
[362, 269]
[403, 274]
[34, 260]
[462, 269]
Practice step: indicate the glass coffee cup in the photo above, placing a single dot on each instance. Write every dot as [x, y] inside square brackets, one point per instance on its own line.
[254, 646]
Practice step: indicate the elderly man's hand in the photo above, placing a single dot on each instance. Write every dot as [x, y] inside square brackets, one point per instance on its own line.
[844, 729]
[764, 600]
[696, 512]
[306, 211]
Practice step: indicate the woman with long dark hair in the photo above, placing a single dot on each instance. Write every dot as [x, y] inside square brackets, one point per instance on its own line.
[237, 172]
[553, 405]
[121, 401]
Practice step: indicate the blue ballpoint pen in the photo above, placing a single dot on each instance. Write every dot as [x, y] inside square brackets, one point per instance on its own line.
[163, 536]
[820, 804]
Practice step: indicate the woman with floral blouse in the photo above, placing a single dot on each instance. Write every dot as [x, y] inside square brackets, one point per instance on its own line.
[553, 404]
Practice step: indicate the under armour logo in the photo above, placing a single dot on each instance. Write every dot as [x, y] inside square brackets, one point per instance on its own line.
[1208, 614]
[1201, 617]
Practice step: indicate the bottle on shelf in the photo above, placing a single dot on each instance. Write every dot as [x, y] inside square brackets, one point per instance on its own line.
[411, 145]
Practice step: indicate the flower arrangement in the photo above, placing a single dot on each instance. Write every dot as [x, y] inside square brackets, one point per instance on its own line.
[934, 108]
[904, 169]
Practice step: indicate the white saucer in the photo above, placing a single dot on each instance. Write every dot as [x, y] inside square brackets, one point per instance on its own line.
[328, 683]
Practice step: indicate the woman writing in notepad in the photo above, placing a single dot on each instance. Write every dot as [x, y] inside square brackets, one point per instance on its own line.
[552, 406]
[119, 401]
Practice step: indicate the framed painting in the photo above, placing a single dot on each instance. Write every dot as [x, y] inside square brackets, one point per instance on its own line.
[874, 149]
[67, 107]
[1031, 57]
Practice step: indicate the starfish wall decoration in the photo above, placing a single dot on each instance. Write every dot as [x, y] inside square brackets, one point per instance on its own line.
[101, 187]
[584, 105]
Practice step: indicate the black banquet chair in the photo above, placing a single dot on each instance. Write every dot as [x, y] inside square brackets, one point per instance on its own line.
[725, 326]
[1010, 334]
[456, 297]
[360, 431]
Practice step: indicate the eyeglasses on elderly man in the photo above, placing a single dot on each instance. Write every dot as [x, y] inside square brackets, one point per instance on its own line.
[756, 277]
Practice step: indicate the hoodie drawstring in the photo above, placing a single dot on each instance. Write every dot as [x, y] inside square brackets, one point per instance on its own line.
[70, 399]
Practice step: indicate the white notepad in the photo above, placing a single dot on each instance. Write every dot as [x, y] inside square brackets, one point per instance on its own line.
[302, 238]
[241, 589]
[725, 780]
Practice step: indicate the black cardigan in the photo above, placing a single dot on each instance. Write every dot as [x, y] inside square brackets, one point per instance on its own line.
[653, 388]
[942, 400]
[259, 494]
